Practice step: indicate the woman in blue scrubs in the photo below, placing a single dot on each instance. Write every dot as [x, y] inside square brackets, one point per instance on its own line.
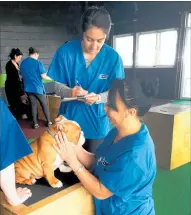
[124, 166]
[33, 72]
[87, 67]
[13, 146]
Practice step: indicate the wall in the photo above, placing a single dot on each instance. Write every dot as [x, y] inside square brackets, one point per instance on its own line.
[47, 25]
[132, 17]
[44, 25]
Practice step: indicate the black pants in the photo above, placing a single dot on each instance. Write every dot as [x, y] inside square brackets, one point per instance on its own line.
[17, 108]
[91, 144]
[33, 97]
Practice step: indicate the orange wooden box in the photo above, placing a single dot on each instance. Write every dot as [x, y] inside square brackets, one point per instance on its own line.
[53, 103]
[170, 127]
[74, 200]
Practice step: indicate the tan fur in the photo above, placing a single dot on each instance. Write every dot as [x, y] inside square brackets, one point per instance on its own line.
[41, 162]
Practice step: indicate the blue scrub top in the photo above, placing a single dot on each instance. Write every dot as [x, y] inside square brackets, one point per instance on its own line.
[13, 144]
[127, 168]
[31, 71]
[69, 67]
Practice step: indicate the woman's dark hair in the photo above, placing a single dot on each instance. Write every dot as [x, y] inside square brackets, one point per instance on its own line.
[14, 52]
[96, 16]
[33, 51]
[132, 95]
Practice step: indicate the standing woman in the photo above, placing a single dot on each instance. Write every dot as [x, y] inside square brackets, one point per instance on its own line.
[87, 67]
[33, 72]
[13, 85]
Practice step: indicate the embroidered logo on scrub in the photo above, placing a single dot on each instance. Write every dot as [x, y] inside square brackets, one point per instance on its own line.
[102, 161]
[103, 76]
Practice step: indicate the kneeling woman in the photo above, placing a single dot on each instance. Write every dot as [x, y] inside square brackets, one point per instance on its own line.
[124, 166]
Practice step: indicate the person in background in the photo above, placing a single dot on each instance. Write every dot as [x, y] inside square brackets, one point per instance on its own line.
[16, 97]
[13, 146]
[86, 68]
[33, 71]
[124, 166]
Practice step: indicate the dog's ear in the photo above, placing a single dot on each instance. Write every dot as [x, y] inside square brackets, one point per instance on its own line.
[60, 118]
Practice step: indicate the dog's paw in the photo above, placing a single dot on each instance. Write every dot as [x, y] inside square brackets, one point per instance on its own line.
[57, 185]
[64, 168]
[33, 181]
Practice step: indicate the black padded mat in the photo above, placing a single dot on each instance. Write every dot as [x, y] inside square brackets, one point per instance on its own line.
[41, 189]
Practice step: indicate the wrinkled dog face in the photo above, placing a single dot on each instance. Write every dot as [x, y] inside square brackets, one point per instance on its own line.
[72, 130]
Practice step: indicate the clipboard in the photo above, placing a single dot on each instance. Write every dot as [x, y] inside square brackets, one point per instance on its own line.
[78, 98]
[68, 99]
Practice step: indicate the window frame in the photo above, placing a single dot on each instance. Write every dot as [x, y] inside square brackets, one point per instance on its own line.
[187, 29]
[158, 48]
[114, 45]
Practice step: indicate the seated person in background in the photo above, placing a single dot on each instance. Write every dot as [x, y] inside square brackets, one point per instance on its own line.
[124, 165]
[13, 146]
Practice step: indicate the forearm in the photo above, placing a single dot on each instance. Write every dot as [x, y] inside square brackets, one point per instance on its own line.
[7, 184]
[85, 157]
[91, 183]
[62, 90]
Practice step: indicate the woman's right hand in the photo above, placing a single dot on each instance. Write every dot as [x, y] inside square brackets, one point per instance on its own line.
[78, 91]
[24, 99]
[22, 195]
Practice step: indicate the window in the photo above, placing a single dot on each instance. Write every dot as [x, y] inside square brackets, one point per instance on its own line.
[146, 49]
[156, 48]
[186, 76]
[167, 48]
[123, 44]
[189, 20]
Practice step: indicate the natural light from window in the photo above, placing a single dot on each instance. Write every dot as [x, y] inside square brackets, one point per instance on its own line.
[167, 48]
[186, 78]
[124, 46]
[189, 20]
[146, 49]
[156, 49]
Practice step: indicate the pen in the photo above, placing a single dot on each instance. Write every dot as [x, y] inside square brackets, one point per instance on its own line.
[78, 84]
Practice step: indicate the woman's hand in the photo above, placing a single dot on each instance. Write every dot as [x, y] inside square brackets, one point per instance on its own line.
[22, 195]
[24, 99]
[58, 123]
[66, 150]
[91, 98]
[78, 91]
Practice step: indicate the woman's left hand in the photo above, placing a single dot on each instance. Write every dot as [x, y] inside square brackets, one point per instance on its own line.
[66, 149]
[91, 98]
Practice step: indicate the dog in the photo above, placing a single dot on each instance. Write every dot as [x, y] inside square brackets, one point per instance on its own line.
[45, 160]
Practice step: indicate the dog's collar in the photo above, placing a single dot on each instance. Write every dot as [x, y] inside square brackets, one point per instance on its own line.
[50, 132]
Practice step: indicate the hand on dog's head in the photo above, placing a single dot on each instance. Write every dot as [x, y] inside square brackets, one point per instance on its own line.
[70, 128]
